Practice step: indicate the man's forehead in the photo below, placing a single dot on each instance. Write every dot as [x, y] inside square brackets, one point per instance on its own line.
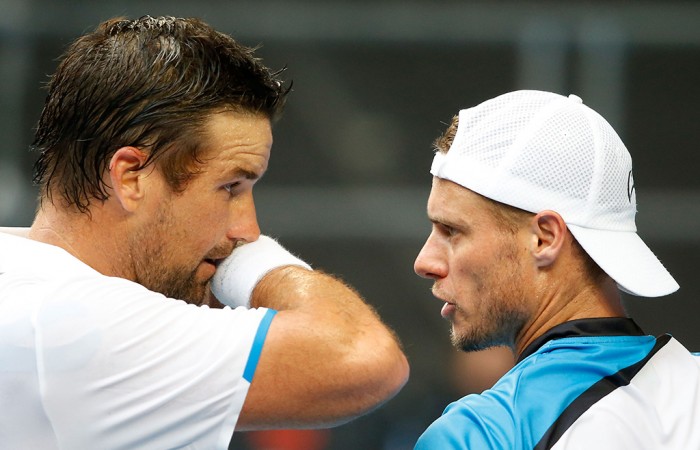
[241, 127]
[238, 141]
[450, 201]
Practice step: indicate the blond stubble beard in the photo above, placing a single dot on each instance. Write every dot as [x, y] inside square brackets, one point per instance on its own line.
[150, 260]
[502, 309]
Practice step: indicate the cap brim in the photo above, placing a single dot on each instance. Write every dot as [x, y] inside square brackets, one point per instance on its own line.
[626, 258]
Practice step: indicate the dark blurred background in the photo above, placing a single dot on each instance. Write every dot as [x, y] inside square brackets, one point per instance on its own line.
[374, 84]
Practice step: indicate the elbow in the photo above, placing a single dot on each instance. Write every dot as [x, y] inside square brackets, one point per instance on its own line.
[396, 373]
[385, 371]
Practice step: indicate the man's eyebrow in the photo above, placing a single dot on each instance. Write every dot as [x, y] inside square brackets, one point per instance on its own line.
[441, 220]
[245, 173]
[436, 216]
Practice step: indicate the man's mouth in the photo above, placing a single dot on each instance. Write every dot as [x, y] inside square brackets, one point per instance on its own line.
[213, 261]
[448, 310]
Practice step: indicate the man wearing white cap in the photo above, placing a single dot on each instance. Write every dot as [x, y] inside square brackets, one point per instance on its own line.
[533, 210]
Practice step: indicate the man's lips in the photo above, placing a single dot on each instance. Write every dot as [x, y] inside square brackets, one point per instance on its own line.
[213, 261]
[221, 252]
[217, 256]
[448, 310]
[210, 265]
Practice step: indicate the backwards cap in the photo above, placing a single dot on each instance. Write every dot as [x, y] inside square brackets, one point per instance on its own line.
[542, 151]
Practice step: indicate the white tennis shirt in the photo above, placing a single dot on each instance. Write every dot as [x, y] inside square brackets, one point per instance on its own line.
[95, 362]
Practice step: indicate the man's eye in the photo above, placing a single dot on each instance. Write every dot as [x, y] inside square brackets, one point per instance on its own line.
[231, 187]
[450, 231]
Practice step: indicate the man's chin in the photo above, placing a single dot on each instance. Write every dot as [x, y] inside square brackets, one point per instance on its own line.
[201, 297]
[211, 301]
[471, 343]
[194, 295]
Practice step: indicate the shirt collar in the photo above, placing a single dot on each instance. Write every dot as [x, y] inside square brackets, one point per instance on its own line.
[608, 326]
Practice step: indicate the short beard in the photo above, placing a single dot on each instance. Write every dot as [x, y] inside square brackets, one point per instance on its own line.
[501, 329]
[150, 262]
[178, 283]
[504, 312]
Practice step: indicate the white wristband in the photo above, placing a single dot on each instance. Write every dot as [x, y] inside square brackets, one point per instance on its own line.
[240, 272]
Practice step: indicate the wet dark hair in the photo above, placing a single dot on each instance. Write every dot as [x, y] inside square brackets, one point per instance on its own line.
[150, 83]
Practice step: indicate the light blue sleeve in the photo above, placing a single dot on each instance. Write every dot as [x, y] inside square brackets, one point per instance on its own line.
[460, 427]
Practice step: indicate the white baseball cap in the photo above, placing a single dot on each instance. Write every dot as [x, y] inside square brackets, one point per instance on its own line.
[537, 150]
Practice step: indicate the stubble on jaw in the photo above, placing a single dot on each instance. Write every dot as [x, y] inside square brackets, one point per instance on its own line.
[178, 283]
[181, 283]
[500, 329]
[150, 258]
[499, 312]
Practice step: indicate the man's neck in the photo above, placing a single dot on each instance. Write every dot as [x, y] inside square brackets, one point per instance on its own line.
[82, 235]
[559, 306]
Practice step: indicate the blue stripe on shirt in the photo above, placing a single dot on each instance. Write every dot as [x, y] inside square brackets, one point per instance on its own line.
[258, 342]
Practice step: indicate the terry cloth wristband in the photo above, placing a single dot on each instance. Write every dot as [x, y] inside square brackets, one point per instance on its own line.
[240, 272]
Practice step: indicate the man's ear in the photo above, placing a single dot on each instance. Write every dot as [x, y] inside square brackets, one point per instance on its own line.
[126, 176]
[548, 237]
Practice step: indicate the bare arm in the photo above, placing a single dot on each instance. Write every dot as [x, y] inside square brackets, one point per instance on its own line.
[327, 358]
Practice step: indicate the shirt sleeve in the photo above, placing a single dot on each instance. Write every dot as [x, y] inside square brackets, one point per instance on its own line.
[461, 428]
